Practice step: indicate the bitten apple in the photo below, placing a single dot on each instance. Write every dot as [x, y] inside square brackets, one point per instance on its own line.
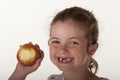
[28, 54]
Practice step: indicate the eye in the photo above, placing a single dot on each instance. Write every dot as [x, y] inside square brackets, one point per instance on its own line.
[54, 42]
[74, 43]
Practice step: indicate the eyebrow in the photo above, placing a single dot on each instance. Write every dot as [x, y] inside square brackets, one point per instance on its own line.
[76, 38]
[53, 38]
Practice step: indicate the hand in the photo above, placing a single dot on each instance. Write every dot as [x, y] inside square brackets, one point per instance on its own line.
[29, 69]
[22, 71]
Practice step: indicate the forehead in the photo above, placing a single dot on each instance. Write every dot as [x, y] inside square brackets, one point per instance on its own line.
[66, 28]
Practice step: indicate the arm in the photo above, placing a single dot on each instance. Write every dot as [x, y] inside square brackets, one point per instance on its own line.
[16, 75]
[22, 71]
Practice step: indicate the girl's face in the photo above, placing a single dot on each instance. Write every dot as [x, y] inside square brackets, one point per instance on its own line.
[68, 46]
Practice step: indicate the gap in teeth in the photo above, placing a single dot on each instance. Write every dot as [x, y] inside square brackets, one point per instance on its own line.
[64, 60]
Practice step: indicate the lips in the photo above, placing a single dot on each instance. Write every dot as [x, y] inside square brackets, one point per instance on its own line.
[65, 59]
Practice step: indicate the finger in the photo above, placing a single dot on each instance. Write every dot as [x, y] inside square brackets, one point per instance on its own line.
[37, 64]
[30, 43]
[37, 46]
[42, 54]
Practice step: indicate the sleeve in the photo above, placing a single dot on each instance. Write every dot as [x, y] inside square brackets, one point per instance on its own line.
[55, 77]
[104, 79]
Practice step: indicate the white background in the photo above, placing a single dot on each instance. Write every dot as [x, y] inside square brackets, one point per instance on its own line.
[22, 21]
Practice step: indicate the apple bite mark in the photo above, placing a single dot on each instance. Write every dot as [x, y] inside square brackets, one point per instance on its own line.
[28, 54]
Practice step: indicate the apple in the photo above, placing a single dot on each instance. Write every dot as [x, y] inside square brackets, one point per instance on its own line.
[28, 54]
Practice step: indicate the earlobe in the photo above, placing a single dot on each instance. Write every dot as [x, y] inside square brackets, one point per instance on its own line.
[93, 48]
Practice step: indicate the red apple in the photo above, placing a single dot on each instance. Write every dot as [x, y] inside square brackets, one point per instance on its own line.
[28, 54]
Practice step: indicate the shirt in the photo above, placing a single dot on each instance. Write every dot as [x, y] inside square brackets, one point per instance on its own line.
[60, 77]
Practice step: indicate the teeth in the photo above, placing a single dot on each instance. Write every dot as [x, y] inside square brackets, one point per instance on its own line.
[60, 59]
[65, 59]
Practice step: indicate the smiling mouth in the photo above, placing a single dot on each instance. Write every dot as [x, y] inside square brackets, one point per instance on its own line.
[65, 59]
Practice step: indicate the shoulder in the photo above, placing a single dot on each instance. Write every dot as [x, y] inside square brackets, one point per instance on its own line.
[55, 77]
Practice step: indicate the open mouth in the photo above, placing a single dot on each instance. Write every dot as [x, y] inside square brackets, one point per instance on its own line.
[65, 59]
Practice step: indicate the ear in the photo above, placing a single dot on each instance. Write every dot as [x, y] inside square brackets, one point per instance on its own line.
[92, 48]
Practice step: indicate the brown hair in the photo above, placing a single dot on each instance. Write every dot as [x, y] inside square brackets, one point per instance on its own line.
[90, 25]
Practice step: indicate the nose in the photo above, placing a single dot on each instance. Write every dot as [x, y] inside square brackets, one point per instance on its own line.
[63, 49]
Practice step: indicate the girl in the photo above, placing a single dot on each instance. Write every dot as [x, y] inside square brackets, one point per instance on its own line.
[73, 42]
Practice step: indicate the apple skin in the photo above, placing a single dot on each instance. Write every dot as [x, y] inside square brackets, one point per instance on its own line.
[28, 54]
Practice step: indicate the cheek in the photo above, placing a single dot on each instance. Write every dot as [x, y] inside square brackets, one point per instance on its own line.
[80, 54]
[52, 52]
[78, 50]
